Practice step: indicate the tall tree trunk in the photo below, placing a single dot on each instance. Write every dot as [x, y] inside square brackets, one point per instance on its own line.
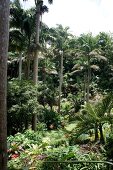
[35, 69]
[28, 66]
[96, 132]
[20, 66]
[85, 86]
[60, 82]
[88, 79]
[4, 34]
[101, 134]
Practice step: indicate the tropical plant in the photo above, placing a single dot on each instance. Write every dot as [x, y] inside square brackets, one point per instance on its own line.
[40, 8]
[94, 116]
[59, 45]
[21, 33]
[87, 52]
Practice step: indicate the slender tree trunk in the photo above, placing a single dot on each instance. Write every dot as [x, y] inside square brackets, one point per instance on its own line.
[20, 66]
[88, 79]
[101, 134]
[96, 133]
[28, 59]
[4, 38]
[28, 66]
[35, 69]
[85, 85]
[60, 82]
[26, 124]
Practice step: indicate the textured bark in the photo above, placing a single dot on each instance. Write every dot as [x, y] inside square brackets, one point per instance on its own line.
[60, 82]
[4, 34]
[35, 69]
[88, 79]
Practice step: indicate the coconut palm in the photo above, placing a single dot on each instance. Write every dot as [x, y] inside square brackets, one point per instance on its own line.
[4, 34]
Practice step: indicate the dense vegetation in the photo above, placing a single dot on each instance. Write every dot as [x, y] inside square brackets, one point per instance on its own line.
[72, 102]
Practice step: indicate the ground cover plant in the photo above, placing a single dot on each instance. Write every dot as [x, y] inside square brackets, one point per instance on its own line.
[33, 151]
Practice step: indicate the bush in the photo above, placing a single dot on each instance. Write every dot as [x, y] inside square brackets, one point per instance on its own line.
[51, 119]
[21, 103]
[20, 142]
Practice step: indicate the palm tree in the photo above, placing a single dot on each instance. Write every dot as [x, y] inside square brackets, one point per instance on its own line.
[60, 81]
[21, 31]
[39, 9]
[16, 37]
[105, 43]
[17, 43]
[87, 43]
[4, 34]
[59, 46]
[23, 21]
[87, 52]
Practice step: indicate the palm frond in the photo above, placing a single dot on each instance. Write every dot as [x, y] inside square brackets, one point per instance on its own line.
[91, 111]
[104, 106]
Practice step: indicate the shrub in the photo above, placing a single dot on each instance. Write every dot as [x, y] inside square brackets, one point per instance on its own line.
[51, 119]
[21, 105]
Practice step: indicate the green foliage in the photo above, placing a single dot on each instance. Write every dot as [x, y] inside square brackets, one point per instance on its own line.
[71, 153]
[51, 119]
[24, 140]
[66, 107]
[47, 95]
[94, 116]
[28, 148]
[21, 105]
[109, 147]
[33, 150]
[87, 65]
